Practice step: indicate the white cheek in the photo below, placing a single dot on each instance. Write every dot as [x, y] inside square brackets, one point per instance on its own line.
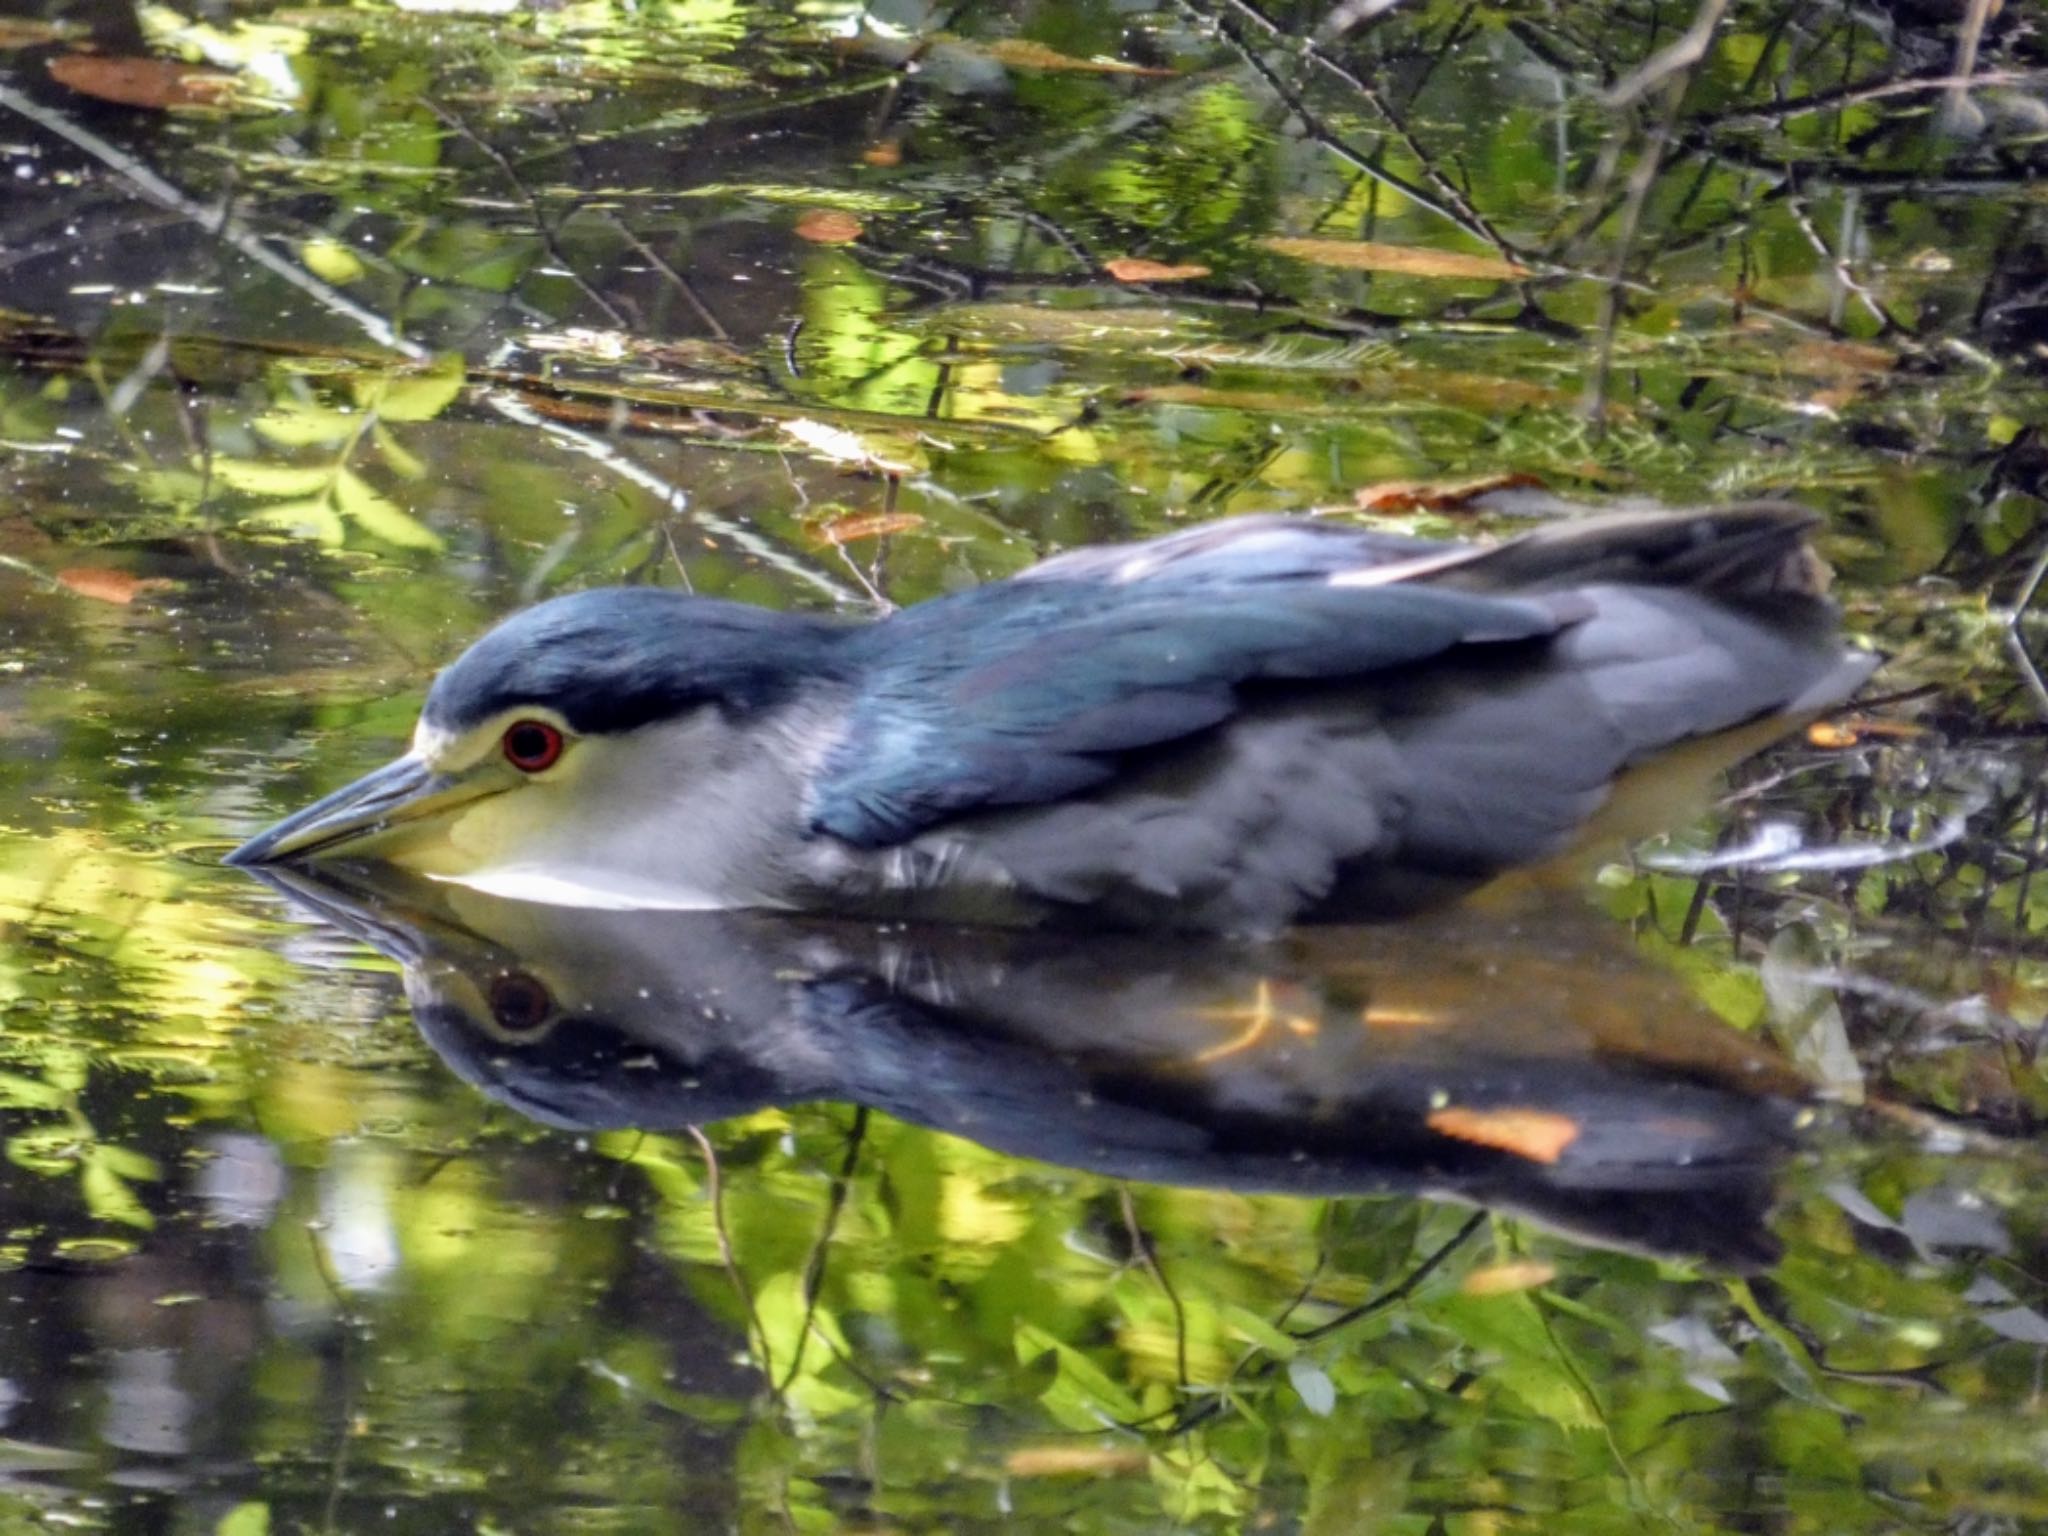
[604, 889]
[686, 816]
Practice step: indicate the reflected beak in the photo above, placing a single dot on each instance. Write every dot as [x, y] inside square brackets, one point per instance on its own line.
[400, 792]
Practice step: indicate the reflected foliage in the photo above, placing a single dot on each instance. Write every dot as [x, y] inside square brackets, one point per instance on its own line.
[364, 323]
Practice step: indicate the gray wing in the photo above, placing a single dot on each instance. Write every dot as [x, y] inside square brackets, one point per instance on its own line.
[1363, 803]
[1029, 693]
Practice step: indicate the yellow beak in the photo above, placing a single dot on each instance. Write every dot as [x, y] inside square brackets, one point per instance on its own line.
[398, 794]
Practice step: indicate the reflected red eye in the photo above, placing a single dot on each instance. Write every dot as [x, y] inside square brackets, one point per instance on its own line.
[531, 745]
[520, 1003]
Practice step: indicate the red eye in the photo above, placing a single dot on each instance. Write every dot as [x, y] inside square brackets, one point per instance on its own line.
[531, 745]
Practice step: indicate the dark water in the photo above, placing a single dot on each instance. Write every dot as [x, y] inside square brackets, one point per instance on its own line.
[393, 1219]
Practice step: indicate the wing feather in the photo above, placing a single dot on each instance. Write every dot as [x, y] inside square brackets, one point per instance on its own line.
[1024, 693]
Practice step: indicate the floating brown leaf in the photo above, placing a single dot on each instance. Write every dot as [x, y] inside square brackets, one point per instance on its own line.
[1136, 269]
[107, 586]
[21, 32]
[1540, 1135]
[1822, 357]
[827, 226]
[157, 84]
[1470, 391]
[872, 525]
[1024, 53]
[1506, 1279]
[1408, 260]
[1435, 495]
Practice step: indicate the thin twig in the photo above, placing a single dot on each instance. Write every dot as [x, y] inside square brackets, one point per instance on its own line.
[542, 224]
[714, 1190]
[814, 1264]
[1377, 100]
[672, 496]
[1141, 1244]
[1855, 95]
[1676, 59]
[1198, 1413]
[1642, 176]
[1401, 1292]
[1957, 108]
[1795, 205]
[674, 278]
[1320, 133]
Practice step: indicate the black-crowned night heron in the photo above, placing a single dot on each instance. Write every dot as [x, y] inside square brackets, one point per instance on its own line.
[1237, 727]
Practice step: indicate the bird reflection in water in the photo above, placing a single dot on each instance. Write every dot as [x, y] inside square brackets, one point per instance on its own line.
[1539, 1070]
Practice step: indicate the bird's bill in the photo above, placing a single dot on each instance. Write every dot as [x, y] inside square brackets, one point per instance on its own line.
[390, 799]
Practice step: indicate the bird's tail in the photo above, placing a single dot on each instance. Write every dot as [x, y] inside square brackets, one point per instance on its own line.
[1748, 550]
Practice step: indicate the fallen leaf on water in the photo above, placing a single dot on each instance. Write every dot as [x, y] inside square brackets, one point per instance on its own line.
[1003, 322]
[1468, 391]
[108, 586]
[853, 200]
[21, 32]
[1375, 256]
[844, 447]
[1068, 1460]
[827, 226]
[872, 525]
[154, 83]
[1540, 1135]
[1436, 495]
[1828, 359]
[1024, 53]
[1136, 269]
[1506, 1279]
[1853, 730]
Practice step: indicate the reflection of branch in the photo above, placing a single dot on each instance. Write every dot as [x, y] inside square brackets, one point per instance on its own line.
[1315, 128]
[1401, 1292]
[1641, 177]
[1856, 95]
[514, 409]
[542, 226]
[1141, 1244]
[1375, 99]
[670, 275]
[814, 1266]
[714, 1192]
[1676, 59]
[1795, 205]
[1189, 1417]
[1778, 847]
[219, 222]
[1956, 107]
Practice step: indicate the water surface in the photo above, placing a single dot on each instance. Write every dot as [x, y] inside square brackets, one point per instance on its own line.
[375, 322]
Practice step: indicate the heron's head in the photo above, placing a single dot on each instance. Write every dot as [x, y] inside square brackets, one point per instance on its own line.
[582, 718]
